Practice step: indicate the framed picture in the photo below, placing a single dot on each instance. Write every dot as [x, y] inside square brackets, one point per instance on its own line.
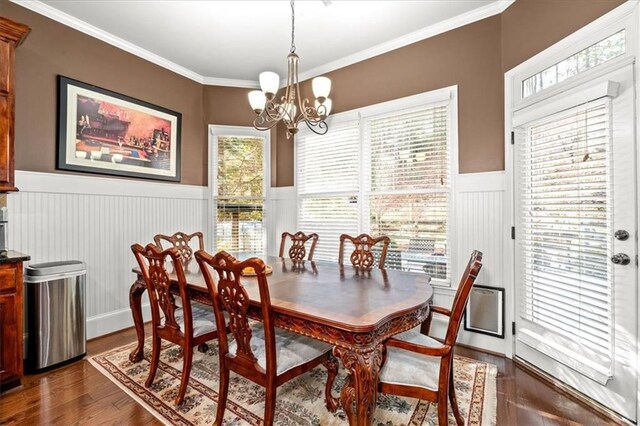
[100, 131]
[485, 311]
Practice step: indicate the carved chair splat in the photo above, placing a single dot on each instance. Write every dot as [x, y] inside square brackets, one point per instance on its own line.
[178, 325]
[182, 242]
[297, 251]
[252, 354]
[362, 257]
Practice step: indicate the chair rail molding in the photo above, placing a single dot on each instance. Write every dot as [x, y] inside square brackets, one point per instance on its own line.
[95, 220]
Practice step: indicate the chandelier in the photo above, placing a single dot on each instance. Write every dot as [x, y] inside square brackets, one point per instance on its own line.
[291, 109]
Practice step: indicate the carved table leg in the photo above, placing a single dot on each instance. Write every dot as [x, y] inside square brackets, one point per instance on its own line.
[360, 393]
[135, 303]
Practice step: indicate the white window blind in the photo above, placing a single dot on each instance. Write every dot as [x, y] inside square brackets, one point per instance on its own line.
[387, 174]
[566, 226]
[328, 186]
[408, 182]
[239, 197]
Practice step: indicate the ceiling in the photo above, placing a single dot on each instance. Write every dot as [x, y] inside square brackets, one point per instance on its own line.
[209, 40]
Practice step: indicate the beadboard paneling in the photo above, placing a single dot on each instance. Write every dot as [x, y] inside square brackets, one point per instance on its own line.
[95, 220]
[282, 215]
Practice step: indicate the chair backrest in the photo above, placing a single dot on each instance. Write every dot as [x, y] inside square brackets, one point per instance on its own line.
[182, 242]
[462, 296]
[362, 257]
[297, 251]
[229, 295]
[152, 262]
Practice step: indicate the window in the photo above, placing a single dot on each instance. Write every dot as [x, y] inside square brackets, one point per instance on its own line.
[567, 220]
[594, 55]
[383, 170]
[239, 194]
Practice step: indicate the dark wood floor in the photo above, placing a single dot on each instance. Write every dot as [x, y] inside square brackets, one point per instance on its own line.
[78, 395]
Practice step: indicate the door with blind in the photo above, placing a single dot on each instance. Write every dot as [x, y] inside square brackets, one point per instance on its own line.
[238, 177]
[576, 240]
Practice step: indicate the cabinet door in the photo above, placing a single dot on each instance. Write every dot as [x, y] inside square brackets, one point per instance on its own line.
[10, 362]
[6, 117]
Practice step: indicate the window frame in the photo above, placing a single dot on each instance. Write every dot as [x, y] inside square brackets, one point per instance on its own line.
[216, 131]
[401, 105]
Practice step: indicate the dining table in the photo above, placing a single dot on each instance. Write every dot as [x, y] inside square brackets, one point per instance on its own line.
[354, 310]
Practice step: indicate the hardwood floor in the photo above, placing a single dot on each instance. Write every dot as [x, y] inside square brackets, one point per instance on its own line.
[78, 394]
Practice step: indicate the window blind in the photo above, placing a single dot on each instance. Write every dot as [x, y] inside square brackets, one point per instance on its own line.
[408, 183]
[387, 174]
[328, 185]
[239, 197]
[565, 188]
[329, 163]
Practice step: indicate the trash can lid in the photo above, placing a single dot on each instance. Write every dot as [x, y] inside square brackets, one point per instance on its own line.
[51, 268]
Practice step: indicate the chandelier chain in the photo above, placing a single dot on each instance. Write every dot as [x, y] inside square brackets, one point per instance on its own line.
[293, 27]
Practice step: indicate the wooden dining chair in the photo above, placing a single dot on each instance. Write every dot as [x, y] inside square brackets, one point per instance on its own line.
[297, 251]
[362, 256]
[182, 242]
[179, 324]
[418, 366]
[257, 352]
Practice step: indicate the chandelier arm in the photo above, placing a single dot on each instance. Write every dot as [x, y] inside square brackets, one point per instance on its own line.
[261, 123]
[319, 128]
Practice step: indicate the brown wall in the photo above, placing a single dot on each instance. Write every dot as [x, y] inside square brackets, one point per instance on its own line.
[530, 26]
[468, 57]
[53, 49]
[473, 57]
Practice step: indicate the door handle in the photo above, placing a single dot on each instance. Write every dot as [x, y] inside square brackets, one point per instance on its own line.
[620, 259]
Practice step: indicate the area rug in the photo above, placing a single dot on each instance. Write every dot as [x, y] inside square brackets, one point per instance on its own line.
[299, 402]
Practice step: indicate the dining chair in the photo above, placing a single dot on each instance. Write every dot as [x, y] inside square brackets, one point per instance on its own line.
[362, 256]
[418, 366]
[178, 324]
[259, 352]
[182, 242]
[297, 251]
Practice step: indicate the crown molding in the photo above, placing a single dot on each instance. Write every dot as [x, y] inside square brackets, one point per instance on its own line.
[480, 13]
[82, 26]
[230, 82]
[474, 15]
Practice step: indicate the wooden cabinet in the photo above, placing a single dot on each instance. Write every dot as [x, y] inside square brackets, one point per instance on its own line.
[11, 35]
[11, 352]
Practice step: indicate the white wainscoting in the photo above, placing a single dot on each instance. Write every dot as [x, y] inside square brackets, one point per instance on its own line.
[95, 220]
[479, 224]
[282, 215]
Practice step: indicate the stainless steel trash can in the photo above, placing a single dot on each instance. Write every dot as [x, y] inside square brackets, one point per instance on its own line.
[55, 297]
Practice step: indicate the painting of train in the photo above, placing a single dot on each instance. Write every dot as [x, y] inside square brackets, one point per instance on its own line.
[101, 131]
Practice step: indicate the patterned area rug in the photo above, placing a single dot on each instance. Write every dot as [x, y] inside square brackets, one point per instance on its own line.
[299, 402]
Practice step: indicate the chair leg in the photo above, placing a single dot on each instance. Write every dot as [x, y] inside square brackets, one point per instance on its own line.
[223, 391]
[270, 404]
[187, 353]
[331, 364]
[155, 358]
[443, 415]
[453, 400]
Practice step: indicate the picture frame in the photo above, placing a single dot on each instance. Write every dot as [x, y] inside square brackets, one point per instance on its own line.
[483, 301]
[105, 132]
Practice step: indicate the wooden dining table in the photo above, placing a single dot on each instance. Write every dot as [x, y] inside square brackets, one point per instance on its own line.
[351, 309]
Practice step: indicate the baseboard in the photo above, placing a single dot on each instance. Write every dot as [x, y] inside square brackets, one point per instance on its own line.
[110, 322]
[571, 392]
